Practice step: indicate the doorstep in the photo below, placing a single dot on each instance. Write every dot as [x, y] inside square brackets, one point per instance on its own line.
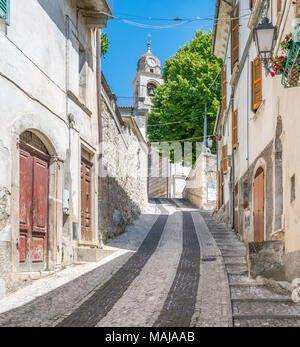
[26, 276]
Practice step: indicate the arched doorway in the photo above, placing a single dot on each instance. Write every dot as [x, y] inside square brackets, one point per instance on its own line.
[278, 178]
[259, 205]
[33, 203]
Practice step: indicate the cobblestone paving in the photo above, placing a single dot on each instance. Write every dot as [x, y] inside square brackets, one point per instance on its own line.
[101, 302]
[253, 305]
[172, 274]
[143, 301]
[179, 305]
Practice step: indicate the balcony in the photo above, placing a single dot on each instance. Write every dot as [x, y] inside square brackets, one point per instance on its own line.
[96, 12]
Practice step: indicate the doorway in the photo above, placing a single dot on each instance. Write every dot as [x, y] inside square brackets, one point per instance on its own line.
[259, 205]
[33, 209]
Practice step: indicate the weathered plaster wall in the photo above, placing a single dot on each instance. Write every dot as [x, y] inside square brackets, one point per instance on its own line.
[202, 174]
[39, 83]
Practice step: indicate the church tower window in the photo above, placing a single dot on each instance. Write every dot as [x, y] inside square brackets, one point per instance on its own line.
[151, 89]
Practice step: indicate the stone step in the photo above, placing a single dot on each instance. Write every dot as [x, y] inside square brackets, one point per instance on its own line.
[236, 270]
[242, 264]
[245, 285]
[239, 292]
[235, 260]
[266, 321]
[236, 278]
[231, 254]
[265, 308]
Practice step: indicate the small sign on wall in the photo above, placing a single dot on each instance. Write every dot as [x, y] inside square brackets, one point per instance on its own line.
[211, 192]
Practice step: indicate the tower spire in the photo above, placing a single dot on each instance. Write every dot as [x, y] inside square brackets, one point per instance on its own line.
[149, 43]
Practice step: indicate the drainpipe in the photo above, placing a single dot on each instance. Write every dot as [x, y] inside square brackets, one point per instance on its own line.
[100, 135]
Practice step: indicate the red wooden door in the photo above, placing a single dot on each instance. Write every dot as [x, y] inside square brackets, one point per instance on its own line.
[86, 201]
[33, 212]
[258, 206]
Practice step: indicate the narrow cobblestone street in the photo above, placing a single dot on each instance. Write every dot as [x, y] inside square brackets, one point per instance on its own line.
[175, 267]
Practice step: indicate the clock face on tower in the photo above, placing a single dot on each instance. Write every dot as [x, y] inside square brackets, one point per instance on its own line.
[151, 62]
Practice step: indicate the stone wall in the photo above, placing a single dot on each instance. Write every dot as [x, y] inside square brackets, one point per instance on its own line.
[202, 174]
[124, 187]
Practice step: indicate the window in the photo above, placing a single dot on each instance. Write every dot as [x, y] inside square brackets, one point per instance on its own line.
[224, 159]
[151, 89]
[252, 3]
[4, 10]
[235, 129]
[298, 9]
[279, 6]
[151, 70]
[293, 188]
[256, 84]
[224, 89]
[235, 36]
[82, 73]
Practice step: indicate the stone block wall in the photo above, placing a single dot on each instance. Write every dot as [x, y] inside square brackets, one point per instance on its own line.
[124, 161]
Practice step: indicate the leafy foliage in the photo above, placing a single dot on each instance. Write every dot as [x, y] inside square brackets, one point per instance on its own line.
[192, 80]
[104, 44]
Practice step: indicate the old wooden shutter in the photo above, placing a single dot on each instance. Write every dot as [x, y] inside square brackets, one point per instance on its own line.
[4, 10]
[298, 9]
[225, 159]
[219, 185]
[235, 36]
[235, 129]
[256, 87]
[278, 6]
[224, 89]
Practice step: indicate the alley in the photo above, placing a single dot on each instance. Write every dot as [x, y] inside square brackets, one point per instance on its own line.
[164, 277]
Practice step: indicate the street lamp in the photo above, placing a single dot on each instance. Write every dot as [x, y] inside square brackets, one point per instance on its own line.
[265, 36]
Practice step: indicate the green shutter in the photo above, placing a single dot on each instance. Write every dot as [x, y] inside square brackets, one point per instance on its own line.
[4, 10]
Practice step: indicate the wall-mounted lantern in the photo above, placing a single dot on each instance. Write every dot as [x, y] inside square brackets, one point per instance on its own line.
[265, 36]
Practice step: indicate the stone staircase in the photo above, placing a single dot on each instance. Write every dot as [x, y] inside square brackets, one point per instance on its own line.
[253, 304]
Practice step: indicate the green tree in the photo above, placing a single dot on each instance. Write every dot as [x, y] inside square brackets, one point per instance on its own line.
[192, 79]
[104, 44]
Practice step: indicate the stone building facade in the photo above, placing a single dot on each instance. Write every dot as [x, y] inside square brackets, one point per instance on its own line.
[48, 135]
[124, 161]
[257, 132]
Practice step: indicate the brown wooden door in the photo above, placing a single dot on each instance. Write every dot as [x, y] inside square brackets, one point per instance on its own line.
[258, 206]
[33, 211]
[86, 201]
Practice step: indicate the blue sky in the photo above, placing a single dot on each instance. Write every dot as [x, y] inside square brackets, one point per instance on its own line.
[128, 42]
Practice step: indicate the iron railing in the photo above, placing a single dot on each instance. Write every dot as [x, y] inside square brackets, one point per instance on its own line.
[291, 75]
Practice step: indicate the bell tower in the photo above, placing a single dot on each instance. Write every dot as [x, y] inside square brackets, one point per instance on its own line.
[147, 79]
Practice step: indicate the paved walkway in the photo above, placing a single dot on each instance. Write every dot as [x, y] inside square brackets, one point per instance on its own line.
[167, 272]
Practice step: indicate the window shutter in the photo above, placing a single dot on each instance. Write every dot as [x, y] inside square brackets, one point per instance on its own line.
[256, 67]
[219, 194]
[4, 10]
[224, 89]
[235, 36]
[278, 6]
[252, 2]
[235, 129]
[224, 159]
[298, 9]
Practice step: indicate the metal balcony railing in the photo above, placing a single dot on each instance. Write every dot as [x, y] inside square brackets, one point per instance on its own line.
[291, 76]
